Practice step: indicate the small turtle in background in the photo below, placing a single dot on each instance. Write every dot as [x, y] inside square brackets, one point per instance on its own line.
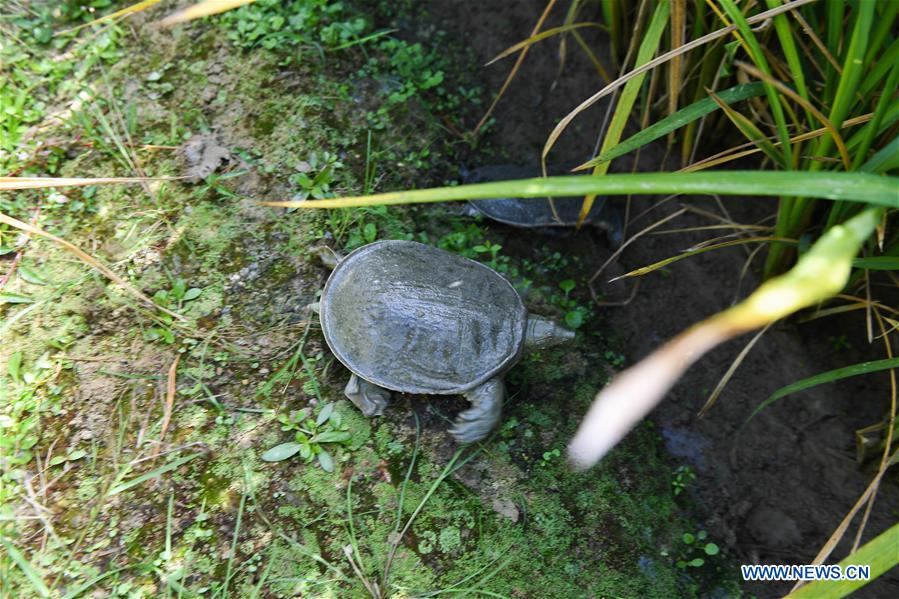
[539, 213]
[407, 317]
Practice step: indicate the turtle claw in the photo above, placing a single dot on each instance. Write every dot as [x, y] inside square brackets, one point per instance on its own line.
[476, 422]
[369, 398]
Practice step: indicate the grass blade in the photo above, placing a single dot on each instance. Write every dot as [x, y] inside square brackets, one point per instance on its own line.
[11, 183]
[697, 43]
[638, 272]
[682, 117]
[877, 263]
[751, 132]
[36, 580]
[857, 187]
[87, 258]
[136, 7]
[880, 553]
[758, 57]
[648, 48]
[826, 377]
[536, 38]
[124, 486]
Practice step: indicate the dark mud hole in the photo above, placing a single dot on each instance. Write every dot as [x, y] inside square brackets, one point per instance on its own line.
[775, 492]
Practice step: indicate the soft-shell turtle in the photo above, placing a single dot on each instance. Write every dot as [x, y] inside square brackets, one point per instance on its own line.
[540, 213]
[407, 317]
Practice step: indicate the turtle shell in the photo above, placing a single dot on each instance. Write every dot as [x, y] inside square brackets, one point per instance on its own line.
[529, 212]
[416, 319]
[538, 212]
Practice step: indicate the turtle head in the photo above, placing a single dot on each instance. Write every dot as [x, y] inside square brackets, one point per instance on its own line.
[543, 333]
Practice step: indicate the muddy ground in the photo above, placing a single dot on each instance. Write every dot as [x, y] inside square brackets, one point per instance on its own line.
[505, 517]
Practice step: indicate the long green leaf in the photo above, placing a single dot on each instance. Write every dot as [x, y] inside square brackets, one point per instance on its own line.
[758, 57]
[36, 580]
[880, 554]
[857, 187]
[152, 474]
[827, 377]
[752, 133]
[623, 109]
[886, 159]
[682, 117]
[877, 263]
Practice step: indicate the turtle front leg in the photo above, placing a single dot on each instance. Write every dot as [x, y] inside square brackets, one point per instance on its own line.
[486, 406]
[369, 398]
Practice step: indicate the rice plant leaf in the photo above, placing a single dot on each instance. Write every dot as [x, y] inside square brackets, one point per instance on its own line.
[750, 131]
[885, 160]
[877, 263]
[202, 9]
[758, 57]
[691, 45]
[36, 580]
[879, 553]
[827, 377]
[857, 187]
[14, 298]
[682, 117]
[648, 47]
[124, 486]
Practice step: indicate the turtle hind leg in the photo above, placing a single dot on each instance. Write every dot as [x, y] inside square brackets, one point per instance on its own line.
[369, 398]
[486, 406]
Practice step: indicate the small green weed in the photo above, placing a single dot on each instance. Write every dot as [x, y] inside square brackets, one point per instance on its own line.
[174, 299]
[311, 436]
[694, 550]
[316, 177]
[682, 477]
[275, 24]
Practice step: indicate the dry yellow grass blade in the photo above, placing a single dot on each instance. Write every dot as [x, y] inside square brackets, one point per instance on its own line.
[88, 259]
[678, 19]
[563, 124]
[10, 183]
[170, 388]
[536, 38]
[518, 62]
[740, 151]
[730, 371]
[137, 7]
[202, 9]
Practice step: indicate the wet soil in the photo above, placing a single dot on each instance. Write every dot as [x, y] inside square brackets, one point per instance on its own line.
[774, 491]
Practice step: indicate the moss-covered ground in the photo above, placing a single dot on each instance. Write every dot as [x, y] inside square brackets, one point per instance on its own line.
[133, 443]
